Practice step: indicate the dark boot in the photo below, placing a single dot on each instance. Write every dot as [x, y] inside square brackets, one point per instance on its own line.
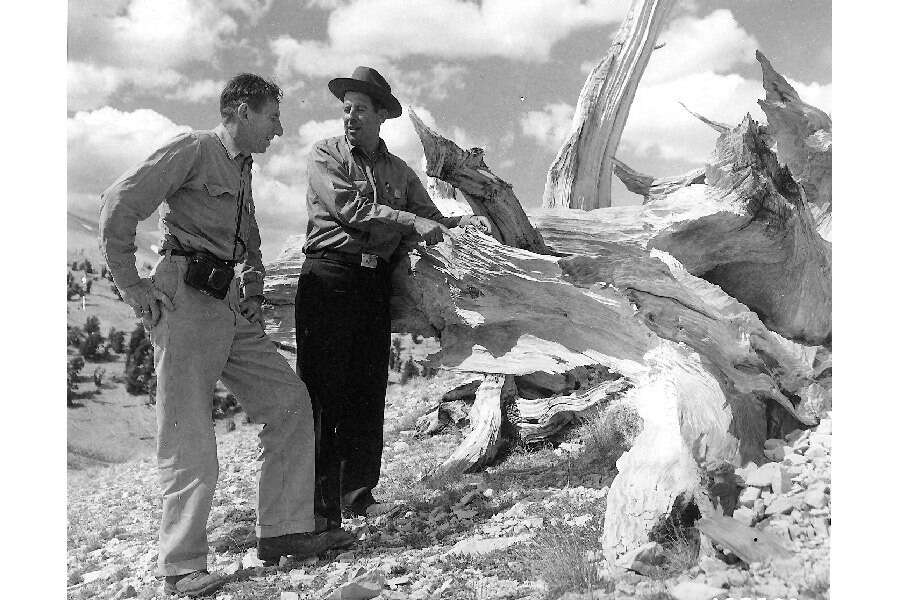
[301, 545]
[194, 584]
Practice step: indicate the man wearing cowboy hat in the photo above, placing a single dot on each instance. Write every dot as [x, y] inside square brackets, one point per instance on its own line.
[366, 208]
[202, 308]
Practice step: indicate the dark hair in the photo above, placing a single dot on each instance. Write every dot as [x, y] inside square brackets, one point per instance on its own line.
[249, 88]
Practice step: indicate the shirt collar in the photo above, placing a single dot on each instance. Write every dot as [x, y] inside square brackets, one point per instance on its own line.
[228, 142]
[380, 150]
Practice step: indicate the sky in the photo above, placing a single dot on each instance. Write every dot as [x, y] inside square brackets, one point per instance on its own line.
[503, 75]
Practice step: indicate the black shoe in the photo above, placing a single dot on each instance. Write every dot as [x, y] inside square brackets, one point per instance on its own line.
[301, 545]
[194, 584]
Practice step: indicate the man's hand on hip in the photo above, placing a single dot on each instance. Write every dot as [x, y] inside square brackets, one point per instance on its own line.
[430, 231]
[251, 309]
[483, 224]
[147, 301]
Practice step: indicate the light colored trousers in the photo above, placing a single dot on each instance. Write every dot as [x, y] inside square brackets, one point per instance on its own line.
[202, 340]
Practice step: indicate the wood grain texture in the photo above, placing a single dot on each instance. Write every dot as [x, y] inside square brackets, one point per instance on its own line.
[581, 175]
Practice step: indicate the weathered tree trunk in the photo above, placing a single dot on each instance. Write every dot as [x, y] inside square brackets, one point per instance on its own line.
[652, 309]
[487, 194]
[581, 175]
[803, 136]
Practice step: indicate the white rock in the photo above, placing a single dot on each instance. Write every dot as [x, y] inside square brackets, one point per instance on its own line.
[474, 546]
[692, 590]
[748, 496]
[815, 498]
[232, 567]
[709, 564]
[744, 515]
[795, 459]
[797, 435]
[821, 439]
[780, 505]
[290, 596]
[824, 426]
[816, 451]
[770, 474]
[776, 453]
[251, 560]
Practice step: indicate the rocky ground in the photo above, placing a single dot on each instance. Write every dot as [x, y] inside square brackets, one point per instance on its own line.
[528, 528]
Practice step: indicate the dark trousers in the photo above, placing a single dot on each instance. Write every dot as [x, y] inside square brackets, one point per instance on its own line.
[343, 342]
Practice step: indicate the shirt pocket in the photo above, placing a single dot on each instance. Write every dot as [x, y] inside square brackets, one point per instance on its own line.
[398, 198]
[219, 191]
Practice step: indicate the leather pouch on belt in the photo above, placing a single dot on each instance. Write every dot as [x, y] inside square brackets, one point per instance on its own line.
[209, 274]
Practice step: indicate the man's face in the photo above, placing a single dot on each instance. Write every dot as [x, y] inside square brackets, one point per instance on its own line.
[259, 127]
[362, 123]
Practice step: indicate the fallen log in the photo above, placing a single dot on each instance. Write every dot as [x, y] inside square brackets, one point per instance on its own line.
[750, 544]
[581, 174]
[747, 229]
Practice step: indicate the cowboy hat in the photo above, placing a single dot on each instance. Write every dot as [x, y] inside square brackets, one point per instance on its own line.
[370, 82]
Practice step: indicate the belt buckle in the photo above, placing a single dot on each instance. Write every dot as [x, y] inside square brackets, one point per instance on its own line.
[369, 261]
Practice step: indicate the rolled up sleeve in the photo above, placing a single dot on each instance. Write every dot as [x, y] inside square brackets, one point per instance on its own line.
[420, 203]
[134, 197]
[254, 271]
[333, 186]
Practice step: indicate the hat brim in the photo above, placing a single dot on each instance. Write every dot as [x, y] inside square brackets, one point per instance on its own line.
[342, 85]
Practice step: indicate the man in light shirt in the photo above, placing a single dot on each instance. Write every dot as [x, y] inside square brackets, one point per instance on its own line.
[202, 307]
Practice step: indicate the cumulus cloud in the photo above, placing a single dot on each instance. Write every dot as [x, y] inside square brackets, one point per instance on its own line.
[145, 44]
[103, 143]
[317, 59]
[198, 91]
[714, 43]
[549, 126]
[452, 29]
[436, 82]
[90, 86]
[516, 29]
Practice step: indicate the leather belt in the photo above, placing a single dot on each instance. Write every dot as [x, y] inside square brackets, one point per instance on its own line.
[177, 252]
[363, 259]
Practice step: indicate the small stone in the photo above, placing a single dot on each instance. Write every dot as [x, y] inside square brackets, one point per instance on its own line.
[815, 498]
[824, 426]
[780, 505]
[692, 590]
[769, 475]
[345, 556]
[126, 592]
[251, 560]
[718, 580]
[748, 496]
[488, 493]
[821, 439]
[290, 596]
[816, 451]
[776, 454]
[797, 435]
[795, 459]
[232, 567]
[644, 559]
[709, 564]
[744, 515]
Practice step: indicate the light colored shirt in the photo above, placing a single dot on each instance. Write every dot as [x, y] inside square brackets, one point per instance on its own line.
[357, 203]
[195, 180]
